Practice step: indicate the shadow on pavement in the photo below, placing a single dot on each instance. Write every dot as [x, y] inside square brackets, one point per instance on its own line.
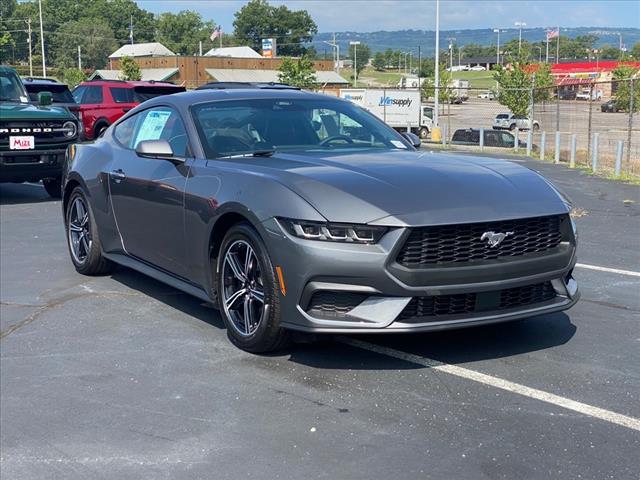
[19, 193]
[323, 352]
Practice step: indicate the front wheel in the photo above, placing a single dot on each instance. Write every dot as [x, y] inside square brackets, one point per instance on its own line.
[424, 133]
[82, 237]
[53, 186]
[247, 292]
[536, 127]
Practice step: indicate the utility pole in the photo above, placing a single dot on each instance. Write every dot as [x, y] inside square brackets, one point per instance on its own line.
[200, 48]
[520, 25]
[335, 53]
[451, 40]
[497, 30]
[44, 63]
[79, 58]
[131, 31]
[355, 62]
[437, 69]
[558, 47]
[29, 44]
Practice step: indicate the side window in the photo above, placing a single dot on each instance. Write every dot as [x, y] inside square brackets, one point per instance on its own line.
[78, 92]
[124, 130]
[121, 95]
[161, 123]
[93, 94]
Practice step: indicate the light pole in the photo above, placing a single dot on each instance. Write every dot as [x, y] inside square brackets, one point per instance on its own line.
[451, 40]
[497, 30]
[539, 53]
[437, 69]
[28, 20]
[520, 25]
[44, 65]
[355, 62]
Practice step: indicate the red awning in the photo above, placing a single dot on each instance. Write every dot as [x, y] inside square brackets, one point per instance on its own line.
[575, 81]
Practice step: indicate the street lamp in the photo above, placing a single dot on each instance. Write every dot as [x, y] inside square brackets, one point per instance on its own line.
[497, 30]
[539, 53]
[451, 40]
[520, 25]
[355, 62]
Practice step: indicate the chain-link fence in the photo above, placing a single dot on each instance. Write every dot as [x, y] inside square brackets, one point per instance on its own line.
[591, 124]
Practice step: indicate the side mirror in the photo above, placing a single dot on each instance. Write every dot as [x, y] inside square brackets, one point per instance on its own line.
[160, 149]
[413, 139]
[45, 99]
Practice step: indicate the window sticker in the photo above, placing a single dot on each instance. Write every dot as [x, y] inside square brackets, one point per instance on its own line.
[153, 125]
[398, 144]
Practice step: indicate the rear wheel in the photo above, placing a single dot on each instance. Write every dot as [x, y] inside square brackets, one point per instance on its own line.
[53, 186]
[512, 127]
[424, 133]
[100, 128]
[82, 237]
[536, 127]
[247, 293]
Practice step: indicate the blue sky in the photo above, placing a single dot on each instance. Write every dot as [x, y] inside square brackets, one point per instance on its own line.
[371, 15]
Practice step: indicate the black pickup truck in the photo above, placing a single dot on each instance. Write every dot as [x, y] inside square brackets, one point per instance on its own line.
[33, 138]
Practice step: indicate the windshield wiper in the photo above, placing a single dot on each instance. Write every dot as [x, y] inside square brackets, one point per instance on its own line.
[257, 153]
[263, 153]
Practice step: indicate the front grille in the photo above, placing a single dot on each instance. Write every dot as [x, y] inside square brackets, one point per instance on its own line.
[48, 131]
[331, 304]
[427, 246]
[470, 303]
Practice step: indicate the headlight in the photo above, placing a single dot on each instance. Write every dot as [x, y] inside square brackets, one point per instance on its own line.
[333, 232]
[70, 129]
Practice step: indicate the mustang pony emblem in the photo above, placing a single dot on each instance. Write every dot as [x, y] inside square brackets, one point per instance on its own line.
[494, 239]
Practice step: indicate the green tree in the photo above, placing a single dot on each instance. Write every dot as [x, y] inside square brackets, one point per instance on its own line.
[623, 75]
[609, 52]
[379, 62]
[427, 68]
[445, 90]
[298, 72]
[181, 32]
[363, 55]
[7, 8]
[514, 81]
[94, 37]
[72, 77]
[543, 83]
[129, 69]
[635, 51]
[291, 28]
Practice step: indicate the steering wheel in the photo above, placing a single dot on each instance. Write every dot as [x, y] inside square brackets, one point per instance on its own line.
[328, 140]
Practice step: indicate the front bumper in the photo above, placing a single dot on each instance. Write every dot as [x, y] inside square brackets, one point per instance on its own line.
[383, 290]
[31, 165]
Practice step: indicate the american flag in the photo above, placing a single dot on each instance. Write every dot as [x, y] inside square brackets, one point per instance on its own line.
[216, 33]
[552, 34]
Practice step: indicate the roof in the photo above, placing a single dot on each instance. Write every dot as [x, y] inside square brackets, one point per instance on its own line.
[236, 52]
[266, 76]
[41, 81]
[153, 49]
[601, 66]
[148, 74]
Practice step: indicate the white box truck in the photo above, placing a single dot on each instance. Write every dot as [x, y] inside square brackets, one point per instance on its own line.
[400, 109]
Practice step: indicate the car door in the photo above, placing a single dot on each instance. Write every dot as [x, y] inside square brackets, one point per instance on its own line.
[91, 98]
[123, 101]
[147, 194]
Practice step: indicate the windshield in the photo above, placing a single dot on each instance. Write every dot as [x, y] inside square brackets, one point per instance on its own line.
[243, 127]
[60, 93]
[11, 88]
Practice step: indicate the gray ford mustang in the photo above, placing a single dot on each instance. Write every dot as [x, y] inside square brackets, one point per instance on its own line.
[295, 211]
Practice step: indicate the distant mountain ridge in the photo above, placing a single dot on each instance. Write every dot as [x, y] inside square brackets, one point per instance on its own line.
[409, 40]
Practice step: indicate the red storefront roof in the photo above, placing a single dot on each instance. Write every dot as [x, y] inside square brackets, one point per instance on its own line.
[574, 81]
[586, 67]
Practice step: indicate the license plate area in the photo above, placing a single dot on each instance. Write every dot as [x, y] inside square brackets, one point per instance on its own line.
[22, 142]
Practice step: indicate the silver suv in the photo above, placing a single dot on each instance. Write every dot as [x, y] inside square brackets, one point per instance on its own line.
[509, 121]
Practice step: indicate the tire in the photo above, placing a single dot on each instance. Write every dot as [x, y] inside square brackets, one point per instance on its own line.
[86, 256]
[53, 186]
[99, 130]
[512, 127]
[536, 127]
[423, 133]
[257, 335]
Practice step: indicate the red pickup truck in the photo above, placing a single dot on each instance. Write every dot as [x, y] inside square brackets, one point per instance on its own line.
[102, 102]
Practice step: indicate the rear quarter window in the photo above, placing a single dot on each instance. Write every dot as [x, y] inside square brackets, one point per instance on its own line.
[122, 95]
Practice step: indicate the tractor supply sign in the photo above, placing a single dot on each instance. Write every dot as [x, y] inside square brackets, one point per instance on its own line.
[396, 107]
[269, 47]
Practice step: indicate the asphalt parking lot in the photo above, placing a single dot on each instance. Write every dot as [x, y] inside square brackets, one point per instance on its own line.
[121, 377]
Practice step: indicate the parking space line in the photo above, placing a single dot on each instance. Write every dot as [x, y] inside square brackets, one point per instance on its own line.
[609, 270]
[567, 403]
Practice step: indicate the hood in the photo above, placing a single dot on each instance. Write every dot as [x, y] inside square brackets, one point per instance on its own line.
[412, 188]
[28, 112]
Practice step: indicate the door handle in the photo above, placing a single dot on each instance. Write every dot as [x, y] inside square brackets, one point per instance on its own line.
[118, 175]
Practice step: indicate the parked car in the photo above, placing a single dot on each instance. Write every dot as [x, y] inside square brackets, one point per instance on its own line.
[33, 139]
[492, 138]
[283, 208]
[487, 95]
[102, 102]
[509, 121]
[61, 95]
[584, 94]
[567, 94]
[610, 106]
[477, 68]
